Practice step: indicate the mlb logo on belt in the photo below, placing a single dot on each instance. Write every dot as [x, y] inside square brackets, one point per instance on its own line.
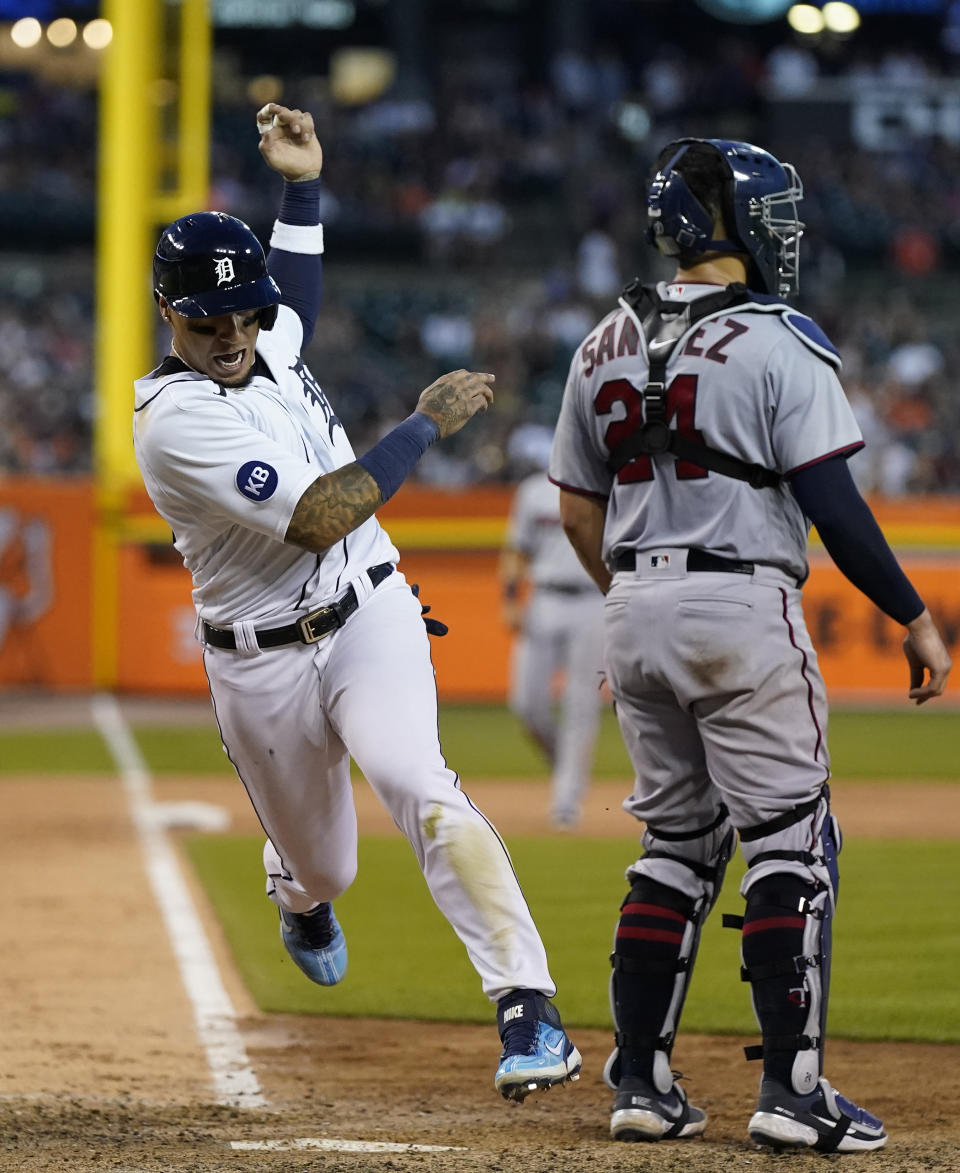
[659, 561]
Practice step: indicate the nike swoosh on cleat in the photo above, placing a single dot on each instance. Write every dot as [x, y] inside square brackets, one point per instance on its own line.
[557, 1050]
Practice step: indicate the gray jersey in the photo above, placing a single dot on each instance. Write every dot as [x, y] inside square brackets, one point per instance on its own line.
[225, 469]
[561, 636]
[534, 529]
[761, 386]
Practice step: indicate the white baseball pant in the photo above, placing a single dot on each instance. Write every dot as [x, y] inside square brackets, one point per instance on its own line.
[291, 718]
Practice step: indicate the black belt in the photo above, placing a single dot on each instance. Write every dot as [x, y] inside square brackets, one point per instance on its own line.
[696, 560]
[307, 630]
[564, 588]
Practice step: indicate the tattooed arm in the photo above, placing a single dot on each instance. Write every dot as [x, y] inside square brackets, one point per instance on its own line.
[332, 507]
[335, 504]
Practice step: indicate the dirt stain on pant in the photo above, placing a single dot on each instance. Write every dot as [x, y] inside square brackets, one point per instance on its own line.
[479, 861]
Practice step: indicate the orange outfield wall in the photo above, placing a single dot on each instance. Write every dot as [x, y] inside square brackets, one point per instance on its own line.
[448, 543]
[46, 530]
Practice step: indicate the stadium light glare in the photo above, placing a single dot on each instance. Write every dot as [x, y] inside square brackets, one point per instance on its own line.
[633, 121]
[26, 33]
[265, 88]
[360, 75]
[98, 33]
[840, 18]
[62, 32]
[805, 19]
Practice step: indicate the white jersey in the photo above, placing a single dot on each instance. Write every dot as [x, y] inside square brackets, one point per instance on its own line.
[534, 529]
[225, 468]
[757, 384]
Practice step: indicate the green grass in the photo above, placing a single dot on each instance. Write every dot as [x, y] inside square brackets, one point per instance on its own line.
[193, 750]
[899, 902]
[897, 947]
[902, 743]
[187, 749]
[53, 751]
[485, 741]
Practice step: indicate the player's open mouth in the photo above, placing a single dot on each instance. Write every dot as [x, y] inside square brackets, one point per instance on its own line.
[231, 362]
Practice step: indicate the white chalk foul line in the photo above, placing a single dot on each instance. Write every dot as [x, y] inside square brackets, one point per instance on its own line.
[328, 1144]
[214, 1014]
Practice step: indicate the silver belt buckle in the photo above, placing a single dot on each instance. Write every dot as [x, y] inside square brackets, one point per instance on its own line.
[307, 633]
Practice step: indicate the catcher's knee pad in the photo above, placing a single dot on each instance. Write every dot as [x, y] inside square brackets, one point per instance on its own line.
[656, 942]
[791, 889]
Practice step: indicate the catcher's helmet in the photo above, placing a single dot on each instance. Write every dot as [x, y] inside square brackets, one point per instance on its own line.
[757, 182]
[209, 263]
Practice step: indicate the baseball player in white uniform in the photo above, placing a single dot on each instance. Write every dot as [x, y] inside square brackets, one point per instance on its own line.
[555, 611]
[313, 644]
[702, 429]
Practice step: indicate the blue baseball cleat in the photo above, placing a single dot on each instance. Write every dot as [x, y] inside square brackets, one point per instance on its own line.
[316, 943]
[536, 1051]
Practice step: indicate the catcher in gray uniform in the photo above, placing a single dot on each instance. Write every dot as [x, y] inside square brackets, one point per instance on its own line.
[555, 611]
[703, 429]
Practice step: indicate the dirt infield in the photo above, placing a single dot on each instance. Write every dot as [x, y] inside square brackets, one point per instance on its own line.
[102, 1070]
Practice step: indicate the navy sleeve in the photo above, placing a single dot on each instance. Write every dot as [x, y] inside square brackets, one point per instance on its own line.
[299, 275]
[828, 496]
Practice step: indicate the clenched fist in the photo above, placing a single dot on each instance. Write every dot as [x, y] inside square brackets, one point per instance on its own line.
[455, 398]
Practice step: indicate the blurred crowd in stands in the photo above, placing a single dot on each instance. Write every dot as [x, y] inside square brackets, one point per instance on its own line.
[492, 225]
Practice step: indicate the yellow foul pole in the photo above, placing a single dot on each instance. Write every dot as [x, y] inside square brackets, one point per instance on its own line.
[193, 139]
[194, 50]
[130, 210]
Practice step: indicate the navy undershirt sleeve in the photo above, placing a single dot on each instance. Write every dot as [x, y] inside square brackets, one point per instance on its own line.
[299, 275]
[391, 460]
[828, 496]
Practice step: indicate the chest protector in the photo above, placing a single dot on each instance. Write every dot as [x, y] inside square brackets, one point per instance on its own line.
[664, 323]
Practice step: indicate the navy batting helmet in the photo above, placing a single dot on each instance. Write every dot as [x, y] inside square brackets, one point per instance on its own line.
[209, 263]
[755, 183]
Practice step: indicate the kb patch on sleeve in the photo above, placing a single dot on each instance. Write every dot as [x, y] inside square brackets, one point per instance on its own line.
[257, 481]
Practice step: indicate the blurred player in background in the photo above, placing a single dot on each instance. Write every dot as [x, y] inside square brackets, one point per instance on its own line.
[26, 570]
[555, 611]
[315, 648]
[703, 428]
